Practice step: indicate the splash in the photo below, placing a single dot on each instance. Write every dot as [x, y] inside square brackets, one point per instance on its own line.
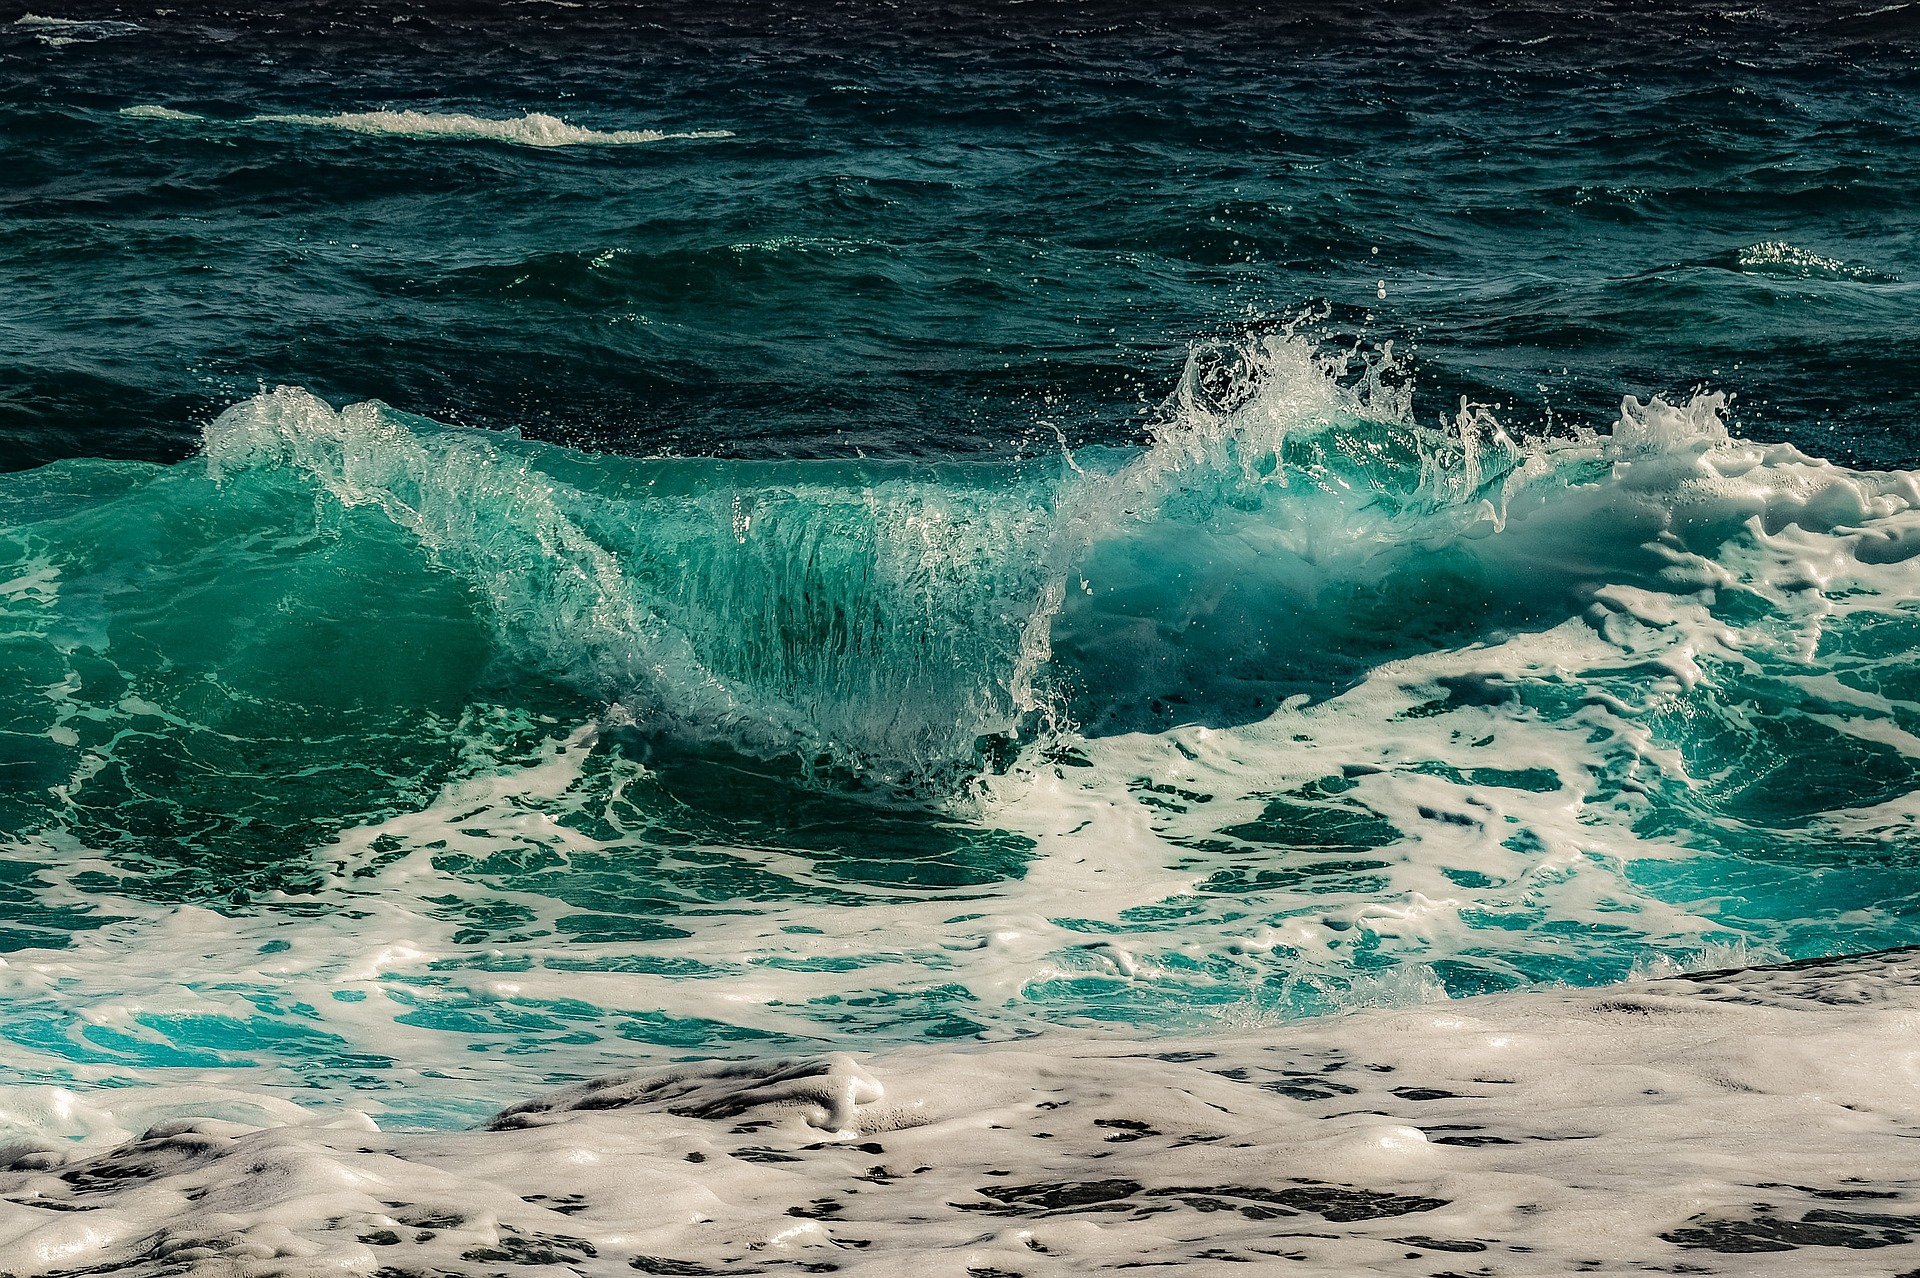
[1290, 527]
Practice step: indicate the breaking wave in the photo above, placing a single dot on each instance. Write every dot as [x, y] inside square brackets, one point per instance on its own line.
[534, 129]
[1290, 526]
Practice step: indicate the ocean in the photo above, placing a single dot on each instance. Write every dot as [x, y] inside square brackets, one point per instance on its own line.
[989, 641]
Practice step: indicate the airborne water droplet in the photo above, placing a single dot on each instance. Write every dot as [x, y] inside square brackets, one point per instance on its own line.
[1381, 290]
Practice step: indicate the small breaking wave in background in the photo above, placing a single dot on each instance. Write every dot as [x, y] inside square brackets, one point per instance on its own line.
[531, 129]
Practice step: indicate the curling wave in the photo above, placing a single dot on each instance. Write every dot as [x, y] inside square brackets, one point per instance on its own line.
[1290, 526]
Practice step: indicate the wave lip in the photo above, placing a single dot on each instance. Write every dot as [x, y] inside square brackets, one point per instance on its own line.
[881, 618]
[535, 128]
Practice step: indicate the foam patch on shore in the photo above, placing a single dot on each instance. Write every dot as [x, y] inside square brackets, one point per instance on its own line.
[1751, 1121]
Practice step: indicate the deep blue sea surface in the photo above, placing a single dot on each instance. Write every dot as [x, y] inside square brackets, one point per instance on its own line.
[542, 536]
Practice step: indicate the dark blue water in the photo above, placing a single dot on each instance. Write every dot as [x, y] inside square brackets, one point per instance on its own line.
[927, 231]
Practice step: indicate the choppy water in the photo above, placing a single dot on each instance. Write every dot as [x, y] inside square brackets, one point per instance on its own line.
[554, 538]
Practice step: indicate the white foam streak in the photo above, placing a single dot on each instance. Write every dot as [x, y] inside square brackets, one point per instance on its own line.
[152, 112]
[534, 129]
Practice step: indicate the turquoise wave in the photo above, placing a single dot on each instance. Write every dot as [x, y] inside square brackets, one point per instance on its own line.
[319, 589]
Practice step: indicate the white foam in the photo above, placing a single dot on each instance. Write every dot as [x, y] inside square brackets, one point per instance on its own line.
[1757, 1119]
[1777, 257]
[532, 129]
[151, 112]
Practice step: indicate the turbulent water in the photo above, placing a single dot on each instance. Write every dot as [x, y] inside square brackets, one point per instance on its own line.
[551, 540]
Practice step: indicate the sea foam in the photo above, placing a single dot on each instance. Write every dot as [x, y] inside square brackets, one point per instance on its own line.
[1331, 709]
[1757, 1117]
[152, 112]
[534, 129]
